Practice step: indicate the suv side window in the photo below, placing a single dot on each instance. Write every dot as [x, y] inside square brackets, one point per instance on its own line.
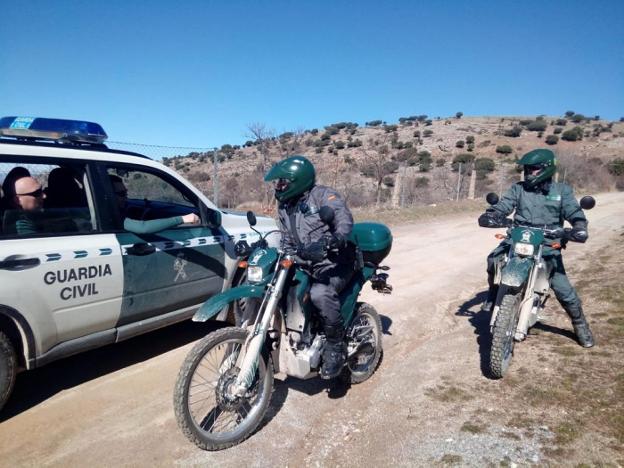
[54, 199]
[144, 195]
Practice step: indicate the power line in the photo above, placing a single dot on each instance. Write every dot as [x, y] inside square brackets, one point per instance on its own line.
[161, 146]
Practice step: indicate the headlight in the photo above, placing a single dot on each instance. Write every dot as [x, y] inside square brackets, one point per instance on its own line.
[524, 249]
[254, 274]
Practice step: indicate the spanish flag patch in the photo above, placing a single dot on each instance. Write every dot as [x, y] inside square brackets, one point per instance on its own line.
[331, 197]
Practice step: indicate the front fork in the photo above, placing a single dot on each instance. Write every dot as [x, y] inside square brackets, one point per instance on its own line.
[255, 342]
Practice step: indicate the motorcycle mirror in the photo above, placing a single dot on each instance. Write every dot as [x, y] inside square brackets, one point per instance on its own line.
[588, 202]
[327, 214]
[491, 198]
[251, 218]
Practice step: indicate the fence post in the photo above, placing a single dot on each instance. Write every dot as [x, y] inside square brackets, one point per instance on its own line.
[215, 177]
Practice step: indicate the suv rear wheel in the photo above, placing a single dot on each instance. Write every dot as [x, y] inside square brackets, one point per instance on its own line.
[8, 366]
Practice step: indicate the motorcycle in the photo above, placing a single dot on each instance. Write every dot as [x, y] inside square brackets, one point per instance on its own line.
[523, 279]
[224, 386]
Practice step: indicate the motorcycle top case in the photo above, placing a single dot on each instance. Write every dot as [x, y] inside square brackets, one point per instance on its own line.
[374, 240]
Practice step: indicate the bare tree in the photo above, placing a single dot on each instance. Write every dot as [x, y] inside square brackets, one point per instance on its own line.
[377, 162]
[263, 137]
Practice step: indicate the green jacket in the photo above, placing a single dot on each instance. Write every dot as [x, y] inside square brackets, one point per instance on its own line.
[548, 205]
[148, 227]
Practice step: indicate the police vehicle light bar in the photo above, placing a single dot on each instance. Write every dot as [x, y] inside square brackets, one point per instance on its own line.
[38, 128]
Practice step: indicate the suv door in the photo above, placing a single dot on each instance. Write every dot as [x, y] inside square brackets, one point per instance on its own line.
[65, 276]
[171, 270]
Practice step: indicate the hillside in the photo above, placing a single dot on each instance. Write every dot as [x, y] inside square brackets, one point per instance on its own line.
[416, 160]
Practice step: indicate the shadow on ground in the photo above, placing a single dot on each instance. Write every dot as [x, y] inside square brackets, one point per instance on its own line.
[36, 386]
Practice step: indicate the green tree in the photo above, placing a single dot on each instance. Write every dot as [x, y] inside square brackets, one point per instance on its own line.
[458, 115]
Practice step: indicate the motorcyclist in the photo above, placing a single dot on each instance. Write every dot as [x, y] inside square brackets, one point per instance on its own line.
[300, 200]
[540, 202]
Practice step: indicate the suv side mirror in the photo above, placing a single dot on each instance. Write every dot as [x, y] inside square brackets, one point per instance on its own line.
[327, 214]
[213, 219]
[491, 198]
[587, 202]
[251, 218]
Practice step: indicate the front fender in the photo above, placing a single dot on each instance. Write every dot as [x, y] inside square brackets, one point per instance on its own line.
[215, 304]
[516, 272]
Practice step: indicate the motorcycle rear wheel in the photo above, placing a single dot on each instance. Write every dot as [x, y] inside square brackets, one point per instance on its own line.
[205, 413]
[503, 335]
[365, 329]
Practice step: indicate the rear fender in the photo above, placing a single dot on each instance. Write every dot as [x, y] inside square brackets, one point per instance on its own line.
[516, 272]
[217, 303]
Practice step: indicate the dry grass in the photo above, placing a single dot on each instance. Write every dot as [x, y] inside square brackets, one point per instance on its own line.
[395, 217]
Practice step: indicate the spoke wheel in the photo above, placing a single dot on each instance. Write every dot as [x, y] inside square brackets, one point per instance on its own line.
[503, 335]
[205, 408]
[364, 335]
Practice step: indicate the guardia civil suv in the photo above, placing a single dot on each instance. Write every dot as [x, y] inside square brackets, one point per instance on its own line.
[75, 279]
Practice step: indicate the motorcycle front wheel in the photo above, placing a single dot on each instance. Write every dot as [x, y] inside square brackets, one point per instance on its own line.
[209, 416]
[503, 335]
[363, 337]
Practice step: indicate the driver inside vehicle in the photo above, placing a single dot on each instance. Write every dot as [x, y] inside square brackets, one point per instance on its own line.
[139, 226]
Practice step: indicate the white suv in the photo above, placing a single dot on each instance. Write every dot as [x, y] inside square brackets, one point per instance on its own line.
[77, 279]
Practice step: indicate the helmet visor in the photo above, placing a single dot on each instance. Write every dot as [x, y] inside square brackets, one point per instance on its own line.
[281, 185]
[532, 170]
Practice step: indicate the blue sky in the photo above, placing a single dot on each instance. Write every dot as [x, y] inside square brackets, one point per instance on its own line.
[197, 73]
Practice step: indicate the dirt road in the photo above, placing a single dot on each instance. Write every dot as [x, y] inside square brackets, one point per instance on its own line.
[113, 406]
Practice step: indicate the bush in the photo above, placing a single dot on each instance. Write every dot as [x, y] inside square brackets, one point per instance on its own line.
[463, 159]
[421, 182]
[561, 122]
[513, 132]
[459, 144]
[440, 162]
[458, 115]
[557, 130]
[616, 167]
[470, 139]
[391, 128]
[574, 134]
[314, 131]
[388, 181]
[318, 150]
[525, 122]
[551, 139]
[504, 149]
[355, 143]
[577, 118]
[570, 113]
[339, 144]
[470, 147]
[417, 134]
[428, 122]
[374, 123]
[485, 165]
[537, 126]
[427, 133]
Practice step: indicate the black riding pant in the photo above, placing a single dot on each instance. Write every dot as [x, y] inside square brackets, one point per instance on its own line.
[327, 283]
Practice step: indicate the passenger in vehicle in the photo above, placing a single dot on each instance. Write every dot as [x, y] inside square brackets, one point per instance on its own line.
[63, 190]
[8, 187]
[144, 227]
[29, 197]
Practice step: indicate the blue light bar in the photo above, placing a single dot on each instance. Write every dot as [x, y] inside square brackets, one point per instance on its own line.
[66, 131]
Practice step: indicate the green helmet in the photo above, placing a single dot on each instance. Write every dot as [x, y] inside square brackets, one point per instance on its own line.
[294, 175]
[544, 159]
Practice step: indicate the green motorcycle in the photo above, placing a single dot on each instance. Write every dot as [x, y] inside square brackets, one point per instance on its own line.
[224, 386]
[523, 279]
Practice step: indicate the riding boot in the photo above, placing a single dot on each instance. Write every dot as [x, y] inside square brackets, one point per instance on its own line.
[581, 327]
[334, 353]
[491, 297]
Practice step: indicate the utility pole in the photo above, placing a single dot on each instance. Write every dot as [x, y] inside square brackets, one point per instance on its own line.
[215, 177]
[459, 174]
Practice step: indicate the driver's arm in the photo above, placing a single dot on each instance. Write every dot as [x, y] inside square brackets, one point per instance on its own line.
[149, 227]
[343, 219]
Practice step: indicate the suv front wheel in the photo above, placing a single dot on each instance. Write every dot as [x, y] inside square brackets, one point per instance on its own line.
[7, 368]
